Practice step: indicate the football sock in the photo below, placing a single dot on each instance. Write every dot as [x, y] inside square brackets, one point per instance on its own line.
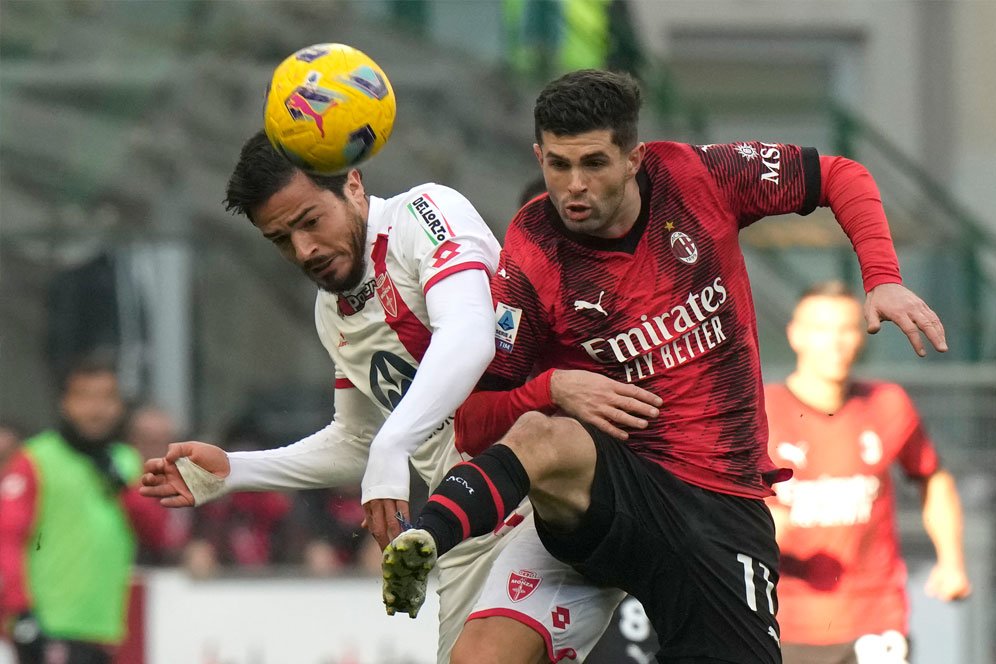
[474, 498]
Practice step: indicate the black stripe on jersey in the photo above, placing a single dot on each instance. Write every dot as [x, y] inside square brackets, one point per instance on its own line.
[627, 243]
[812, 178]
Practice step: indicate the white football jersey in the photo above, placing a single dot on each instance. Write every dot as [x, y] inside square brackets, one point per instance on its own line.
[377, 333]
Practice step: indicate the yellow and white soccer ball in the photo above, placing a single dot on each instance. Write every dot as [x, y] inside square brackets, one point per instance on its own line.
[329, 107]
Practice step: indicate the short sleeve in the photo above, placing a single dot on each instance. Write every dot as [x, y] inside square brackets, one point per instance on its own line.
[446, 235]
[918, 456]
[521, 326]
[759, 179]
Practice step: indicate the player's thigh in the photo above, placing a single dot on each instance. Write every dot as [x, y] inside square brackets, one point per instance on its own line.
[559, 456]
[498, 640]
[463, 571]
[565, 614]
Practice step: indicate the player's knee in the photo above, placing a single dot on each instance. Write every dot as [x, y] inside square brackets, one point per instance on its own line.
[529, 429]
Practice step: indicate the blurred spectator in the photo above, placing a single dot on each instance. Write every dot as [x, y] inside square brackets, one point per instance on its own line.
[244, 529]
[328, 523]
[842, 592]
[69, 519]
[11, 436]
[150, 430]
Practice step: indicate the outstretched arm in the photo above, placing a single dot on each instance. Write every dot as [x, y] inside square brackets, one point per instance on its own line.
[850, 191]
[193, 473]
[942, 518]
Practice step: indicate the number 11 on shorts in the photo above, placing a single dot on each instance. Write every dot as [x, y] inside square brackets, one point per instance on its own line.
[749, 564]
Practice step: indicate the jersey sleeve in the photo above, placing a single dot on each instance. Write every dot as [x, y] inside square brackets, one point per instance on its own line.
[918, 457]
[446, 235]
[521, 324]
[18, 499]
[758, 179]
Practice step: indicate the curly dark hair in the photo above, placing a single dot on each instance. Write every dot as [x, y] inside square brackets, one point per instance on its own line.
[589, 100]
[262, 171]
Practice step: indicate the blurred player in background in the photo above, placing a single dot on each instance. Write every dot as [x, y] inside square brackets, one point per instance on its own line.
[843, 584]
[631, 267]
[70, 518]
[405, 312]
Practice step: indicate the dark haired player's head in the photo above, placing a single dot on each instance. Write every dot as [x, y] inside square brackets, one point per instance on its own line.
[587, 147]
[318, 222]
[589, 100]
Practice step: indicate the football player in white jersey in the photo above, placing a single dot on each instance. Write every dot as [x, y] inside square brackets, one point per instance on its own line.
[405, 312]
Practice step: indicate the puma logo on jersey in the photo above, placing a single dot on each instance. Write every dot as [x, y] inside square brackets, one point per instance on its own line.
[502, 273]
[773, 634]
[581, 305]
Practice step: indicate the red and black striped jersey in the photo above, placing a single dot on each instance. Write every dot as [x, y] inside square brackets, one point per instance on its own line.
[667, 307]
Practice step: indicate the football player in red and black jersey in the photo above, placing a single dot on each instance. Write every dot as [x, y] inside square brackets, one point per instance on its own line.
[630, 268]
[843, 580]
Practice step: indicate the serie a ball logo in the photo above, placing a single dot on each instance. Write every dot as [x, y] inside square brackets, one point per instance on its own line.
[328, 107]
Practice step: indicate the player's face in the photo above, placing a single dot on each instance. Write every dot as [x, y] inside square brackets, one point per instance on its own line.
[318, 231]
[826, 334]
[592, 181]
[93, 405]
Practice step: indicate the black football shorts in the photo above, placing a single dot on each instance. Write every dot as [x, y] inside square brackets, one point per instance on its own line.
[703, 564]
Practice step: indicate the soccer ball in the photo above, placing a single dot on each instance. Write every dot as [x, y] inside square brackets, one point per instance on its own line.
[328, 107]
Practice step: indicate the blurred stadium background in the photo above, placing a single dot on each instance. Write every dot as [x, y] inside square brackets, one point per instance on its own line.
[120, 121]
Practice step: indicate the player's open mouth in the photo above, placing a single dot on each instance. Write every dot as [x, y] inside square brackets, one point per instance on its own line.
[577, 212]
[324, 268]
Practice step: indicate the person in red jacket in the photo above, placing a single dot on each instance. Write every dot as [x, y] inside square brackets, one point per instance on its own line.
[70, 518]
[842, 590]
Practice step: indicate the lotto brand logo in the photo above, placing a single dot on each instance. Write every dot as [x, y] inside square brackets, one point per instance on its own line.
[522, 584]
[561, 617]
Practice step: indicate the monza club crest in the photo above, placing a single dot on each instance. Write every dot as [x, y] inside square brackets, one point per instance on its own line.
[521, 584]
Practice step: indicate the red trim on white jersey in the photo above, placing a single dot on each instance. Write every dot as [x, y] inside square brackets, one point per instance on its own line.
[343, 384]
[414, 336]
[436, 278]
[532, 623]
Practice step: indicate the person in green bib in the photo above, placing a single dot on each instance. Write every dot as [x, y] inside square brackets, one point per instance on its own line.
[70, 521]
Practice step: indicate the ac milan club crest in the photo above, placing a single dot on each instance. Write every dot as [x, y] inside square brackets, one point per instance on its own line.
[387, 295]
[683, 248]
[521, 584]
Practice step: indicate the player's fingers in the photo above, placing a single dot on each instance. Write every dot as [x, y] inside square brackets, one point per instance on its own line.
[176, 450]
[154, 465]
[377, 526]
[158, 491]
[152, 479]
[636, 407]
[607, 427]
[640, 394]
[873, 319]
[177, 501]
[624, 419]
[391, 508]
[933, 329]
[912, 333]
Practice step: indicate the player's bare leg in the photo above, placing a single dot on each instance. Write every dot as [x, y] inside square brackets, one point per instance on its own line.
[498, 640]
[551, 458]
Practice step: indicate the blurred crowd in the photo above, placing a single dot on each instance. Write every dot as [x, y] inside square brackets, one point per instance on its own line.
[318, 531]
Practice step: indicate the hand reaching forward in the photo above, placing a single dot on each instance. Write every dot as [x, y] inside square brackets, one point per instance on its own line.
[163, 480]
[603, 402]
[897, 303]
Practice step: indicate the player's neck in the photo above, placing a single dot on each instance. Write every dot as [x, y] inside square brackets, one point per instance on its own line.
[822, 395]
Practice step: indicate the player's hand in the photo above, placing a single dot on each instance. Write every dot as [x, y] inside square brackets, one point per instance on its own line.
[380, 519]
[603, 402]
[897, 303]
[162, 478]
[948, 583]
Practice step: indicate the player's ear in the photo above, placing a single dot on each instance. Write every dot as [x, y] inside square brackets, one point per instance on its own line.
[354, 183]
[635, 158]
[538, 151]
